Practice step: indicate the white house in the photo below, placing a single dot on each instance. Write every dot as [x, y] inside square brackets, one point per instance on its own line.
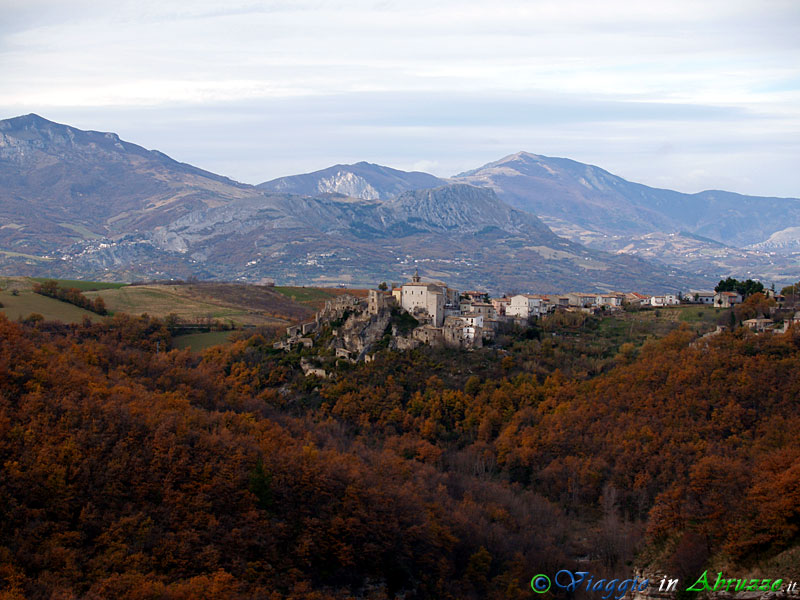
[524, 305]
[473, 323]
[703, 297]
[610, 300]
[665, 300]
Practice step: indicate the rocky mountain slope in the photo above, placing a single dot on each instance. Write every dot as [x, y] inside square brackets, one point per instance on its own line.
[87, 204]
[362, 180]
[713, 233]
[562, 190]
[787, 239]
[62, 185]
[457, 233]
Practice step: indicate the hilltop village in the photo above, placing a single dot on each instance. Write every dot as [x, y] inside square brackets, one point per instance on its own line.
[429, 312]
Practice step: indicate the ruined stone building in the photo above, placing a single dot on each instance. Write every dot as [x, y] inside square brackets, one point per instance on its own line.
[378, 301]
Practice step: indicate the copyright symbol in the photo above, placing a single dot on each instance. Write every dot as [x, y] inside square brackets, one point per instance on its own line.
[540, 583]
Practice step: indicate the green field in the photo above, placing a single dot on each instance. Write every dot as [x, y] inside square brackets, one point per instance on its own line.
[608, 331]
[27, 302]
[21, 255]
[84, 286]
[184, 302]
[160, 301]
[701, 314]
[697, 316]
[315, 297]
[196, 342]
[305, 295]
[233, 304]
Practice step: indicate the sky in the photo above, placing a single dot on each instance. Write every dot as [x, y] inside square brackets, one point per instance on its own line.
[679, 94]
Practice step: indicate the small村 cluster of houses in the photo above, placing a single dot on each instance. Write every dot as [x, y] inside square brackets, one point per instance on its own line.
[447, 317]
[440, 301]
[465, 318]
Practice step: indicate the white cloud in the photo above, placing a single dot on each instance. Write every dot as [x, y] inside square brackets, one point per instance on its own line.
[201, 57]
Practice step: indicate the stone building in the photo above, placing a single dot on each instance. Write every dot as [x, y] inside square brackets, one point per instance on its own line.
[577, 299]
[337, 307]
[759, 324]
[378, 301]
[465, 331]
[427, 301]
[727, 299]
[428, 334]
[453, 332]
[500, 305]
[636, 298]
[484, 309]
[397, 294]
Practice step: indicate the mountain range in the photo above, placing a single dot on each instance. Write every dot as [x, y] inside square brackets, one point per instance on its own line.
[361, 180]
[711, 233]
[595, 199]
[87, 204]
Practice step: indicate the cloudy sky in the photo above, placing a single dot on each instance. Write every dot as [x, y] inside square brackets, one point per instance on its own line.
[681, 94]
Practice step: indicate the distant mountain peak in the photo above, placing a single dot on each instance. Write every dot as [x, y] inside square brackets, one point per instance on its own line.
[29, 122]
[521, 155]
[115, 206]
[348, 183]
[364, 180]
[60, 184]
[581, 198]
[519, 162]
[30, 118]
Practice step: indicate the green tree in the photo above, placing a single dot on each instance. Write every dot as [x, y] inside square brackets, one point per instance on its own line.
[261, 485]
[745, 288]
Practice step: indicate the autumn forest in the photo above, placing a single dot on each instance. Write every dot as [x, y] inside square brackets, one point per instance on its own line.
[132, 470]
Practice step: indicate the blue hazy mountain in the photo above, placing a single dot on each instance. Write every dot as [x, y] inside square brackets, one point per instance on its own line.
[88, 204]
[360, 180]
[568, 193]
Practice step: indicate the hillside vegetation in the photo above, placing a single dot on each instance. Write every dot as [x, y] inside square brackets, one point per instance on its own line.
[199, 314]
[131, 472]
[231, 303]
